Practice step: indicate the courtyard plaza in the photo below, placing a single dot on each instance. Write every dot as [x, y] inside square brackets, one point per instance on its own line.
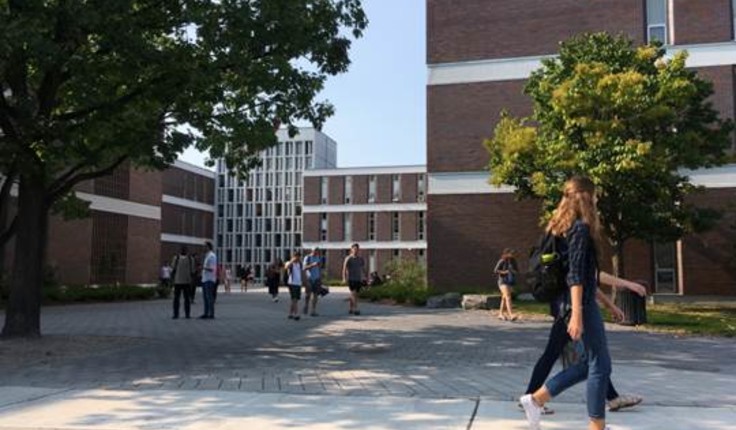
[130, 366]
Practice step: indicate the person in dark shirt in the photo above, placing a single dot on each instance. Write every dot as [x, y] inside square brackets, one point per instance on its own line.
[354, 274]
[576, 219]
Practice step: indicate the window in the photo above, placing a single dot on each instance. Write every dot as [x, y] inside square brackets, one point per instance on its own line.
[371, 226]
[395, 188]
[372, 189]
[324, 189]
[348, 227]
[395, 226]
[348, 189]
[396, 254]
[323, 227]
[657, 14]
[422, 186]
[372, 261]
[420, 226]
[665, 268]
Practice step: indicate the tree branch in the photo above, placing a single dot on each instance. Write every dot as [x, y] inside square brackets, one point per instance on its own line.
[62, 188]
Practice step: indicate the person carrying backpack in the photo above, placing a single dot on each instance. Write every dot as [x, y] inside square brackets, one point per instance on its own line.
[182, 266]
[295, 279]
[506, 270]
[576, 222]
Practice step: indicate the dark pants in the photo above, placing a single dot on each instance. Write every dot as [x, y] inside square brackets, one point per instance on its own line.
[273, 288]
[180, 289]
[208, 293]
[191, 291]
[558, 338]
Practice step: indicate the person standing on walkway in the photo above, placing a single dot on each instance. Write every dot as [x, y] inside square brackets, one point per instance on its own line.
[354, 274]
[506, 270]
[183, 266]
[313, 267]
[576, 219]
[228, 279]
[294, 281]
[273, 278]
[209, 282]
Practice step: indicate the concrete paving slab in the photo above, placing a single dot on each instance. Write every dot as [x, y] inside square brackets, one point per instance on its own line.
[494, 415]
[195, 410]
[16, 395]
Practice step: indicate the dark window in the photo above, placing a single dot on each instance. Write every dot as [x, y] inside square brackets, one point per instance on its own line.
[258, 240]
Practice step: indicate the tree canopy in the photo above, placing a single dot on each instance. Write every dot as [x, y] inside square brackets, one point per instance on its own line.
[629, 118]
[86, 85]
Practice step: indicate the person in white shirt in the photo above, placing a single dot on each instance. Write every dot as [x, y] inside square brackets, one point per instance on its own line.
[295, 279]
[209, 282]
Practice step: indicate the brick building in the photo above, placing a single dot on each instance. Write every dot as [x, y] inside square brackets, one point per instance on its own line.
[381, 208]
[479, 54]
[138, 220]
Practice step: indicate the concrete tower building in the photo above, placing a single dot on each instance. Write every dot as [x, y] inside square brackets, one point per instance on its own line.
[260, 219]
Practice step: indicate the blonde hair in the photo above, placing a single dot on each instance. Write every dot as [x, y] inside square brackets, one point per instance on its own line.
[578, 202]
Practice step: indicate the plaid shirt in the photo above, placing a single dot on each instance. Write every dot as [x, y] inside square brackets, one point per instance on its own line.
[582, 261]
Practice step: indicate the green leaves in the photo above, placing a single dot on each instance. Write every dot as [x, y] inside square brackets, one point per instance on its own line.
[85, 82]
[629, 118]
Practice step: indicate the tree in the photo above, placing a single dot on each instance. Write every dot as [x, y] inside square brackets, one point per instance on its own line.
[87, 85]
[628, 118]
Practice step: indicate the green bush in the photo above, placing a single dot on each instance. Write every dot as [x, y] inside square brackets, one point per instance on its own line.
[102, 293]
[406, 282]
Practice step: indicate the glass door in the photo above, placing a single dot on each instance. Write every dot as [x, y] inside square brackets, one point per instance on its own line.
[665, 268]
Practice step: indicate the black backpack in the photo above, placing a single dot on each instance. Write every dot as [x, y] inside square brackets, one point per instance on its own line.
[547, 269]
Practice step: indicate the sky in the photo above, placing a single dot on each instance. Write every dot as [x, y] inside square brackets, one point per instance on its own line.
[380, 114]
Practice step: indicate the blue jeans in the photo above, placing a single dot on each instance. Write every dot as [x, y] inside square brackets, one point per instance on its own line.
[208, 292]
[558, 338]
[597, 367]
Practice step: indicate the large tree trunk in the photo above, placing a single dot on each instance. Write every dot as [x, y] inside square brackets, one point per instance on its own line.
[23, 315]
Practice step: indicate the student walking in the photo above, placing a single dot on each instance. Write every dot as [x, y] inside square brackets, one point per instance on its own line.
[209, 282]
[182, 269]
[559, 338]
[294, 281]
[273, 278]
[576, 220]
[228, 279]
[506, 270]
[313, 270]
[354, 274]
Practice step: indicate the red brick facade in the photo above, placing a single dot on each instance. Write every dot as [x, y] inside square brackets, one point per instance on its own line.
[467, 231]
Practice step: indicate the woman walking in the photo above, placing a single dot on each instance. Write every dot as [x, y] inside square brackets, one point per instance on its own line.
[506, 270]
[576, 219]
[273, 278]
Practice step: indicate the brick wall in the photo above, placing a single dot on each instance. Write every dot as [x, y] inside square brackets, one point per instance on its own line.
[143, 254]
[479, 29]
[702, 21]
[69, 249]
[461, 117]
[311, 190]
[360, 189]
[184, 184]
[145, 186]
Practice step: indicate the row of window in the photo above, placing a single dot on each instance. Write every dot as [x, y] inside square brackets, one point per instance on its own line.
[248, 225]
[659, 13]
[371, 224]
[372, 185]
[259, 240]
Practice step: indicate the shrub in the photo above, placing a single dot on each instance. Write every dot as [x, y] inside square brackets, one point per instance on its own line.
[102, 293]
[405, 282]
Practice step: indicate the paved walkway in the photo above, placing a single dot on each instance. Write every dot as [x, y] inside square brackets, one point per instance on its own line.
[392, 367]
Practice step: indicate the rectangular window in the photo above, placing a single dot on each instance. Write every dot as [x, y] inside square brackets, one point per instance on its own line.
[372, 189]
[348, 226]
[422, 186]
[657, 13]
[420, 226]
[323, 228]
[372, 261]
[396, 254]
[665, 268]
[348, 189]
[395, 188]
[395, 226]
[371, 226]
[324, 189]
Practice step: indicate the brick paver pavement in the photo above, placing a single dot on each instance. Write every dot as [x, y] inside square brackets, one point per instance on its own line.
[388, 350]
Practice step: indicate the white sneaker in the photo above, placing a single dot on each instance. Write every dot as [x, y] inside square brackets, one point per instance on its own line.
[532, 410]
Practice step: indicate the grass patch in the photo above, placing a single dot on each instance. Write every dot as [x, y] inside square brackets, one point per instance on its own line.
[708, 320]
